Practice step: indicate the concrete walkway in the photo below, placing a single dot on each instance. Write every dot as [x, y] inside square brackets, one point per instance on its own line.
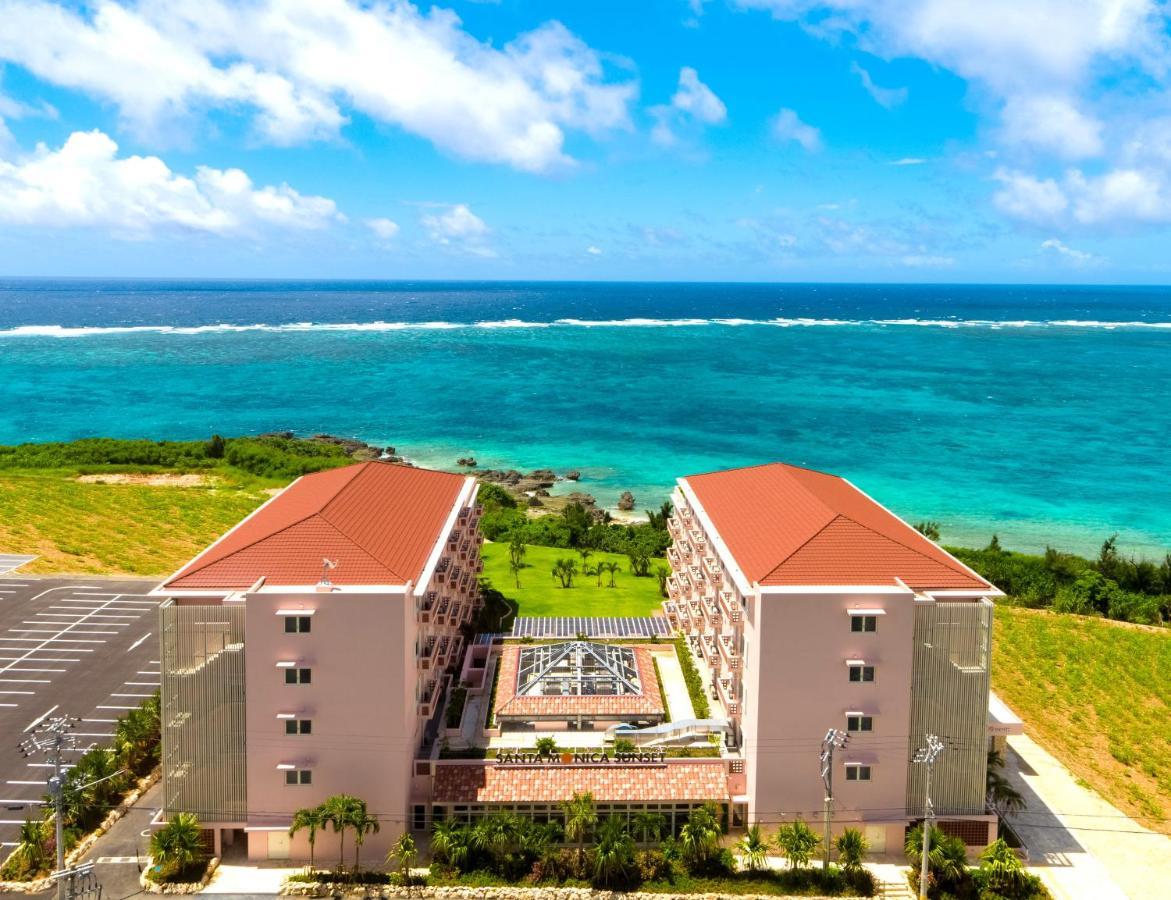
[674, 686]
[249, 879]
[1080, 845]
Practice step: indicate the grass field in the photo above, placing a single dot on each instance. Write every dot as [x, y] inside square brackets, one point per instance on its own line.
[1096, 694]
[540, 594]
[115, 529]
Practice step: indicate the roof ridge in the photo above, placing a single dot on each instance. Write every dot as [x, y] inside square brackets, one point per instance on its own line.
[907, 546]
[185, 573]
[763, 465]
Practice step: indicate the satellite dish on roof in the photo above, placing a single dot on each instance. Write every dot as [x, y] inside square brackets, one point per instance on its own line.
[326, 565]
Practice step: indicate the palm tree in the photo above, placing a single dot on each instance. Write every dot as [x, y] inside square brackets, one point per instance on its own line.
[852, 846]
[585, 553]
[613, 853]
[338, 812]
[662, 573]
[92, 786]
[309, 819]
[564, 570]
[136, 736]
[403, 855]
[449, 843]
[498, 835]
[517, 550]
[32, 851]
[754, 848]
[700, 836]
[1002, 796]
[648, 825]
[798, 841]
[1005, 873]
[363, 824]
[580, 819]
[514, 567]
[947, 861]
[612, 568]
[177, 845]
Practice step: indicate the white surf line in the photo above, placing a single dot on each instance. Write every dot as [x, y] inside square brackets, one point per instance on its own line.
[139, 641]
[49, 640]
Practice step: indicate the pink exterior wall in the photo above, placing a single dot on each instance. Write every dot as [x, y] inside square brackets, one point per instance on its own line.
[361, 700]
[799, 687]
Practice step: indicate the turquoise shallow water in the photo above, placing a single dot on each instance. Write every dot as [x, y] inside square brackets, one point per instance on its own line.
[970, 406]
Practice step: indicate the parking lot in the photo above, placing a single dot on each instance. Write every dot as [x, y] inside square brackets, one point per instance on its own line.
[68, 647]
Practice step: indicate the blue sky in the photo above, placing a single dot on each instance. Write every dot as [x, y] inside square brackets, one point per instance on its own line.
[872, 140]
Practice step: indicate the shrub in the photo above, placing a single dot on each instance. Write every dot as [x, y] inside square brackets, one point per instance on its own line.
[699, 701]
[178, 851]
[455, 707]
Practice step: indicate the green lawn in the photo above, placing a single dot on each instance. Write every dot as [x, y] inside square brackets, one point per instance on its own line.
[1097, 695]
[540, 594]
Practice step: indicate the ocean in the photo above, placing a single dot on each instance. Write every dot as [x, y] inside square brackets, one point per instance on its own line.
[1042, 414]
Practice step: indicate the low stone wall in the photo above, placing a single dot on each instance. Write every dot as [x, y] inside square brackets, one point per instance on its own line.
[316, 889]
[82, 847]
[182, 887]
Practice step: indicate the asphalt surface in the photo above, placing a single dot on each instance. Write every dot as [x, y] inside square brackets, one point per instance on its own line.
[68, 647]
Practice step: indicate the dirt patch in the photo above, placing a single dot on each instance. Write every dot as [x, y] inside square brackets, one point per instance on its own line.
[190, 479]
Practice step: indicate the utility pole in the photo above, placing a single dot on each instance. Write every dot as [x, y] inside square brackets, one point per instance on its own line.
[53, 737]
[833, 740]
[928, 755]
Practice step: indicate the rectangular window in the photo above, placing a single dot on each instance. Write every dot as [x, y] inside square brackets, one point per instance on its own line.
[864, 623]
[859, 723]
[298, 676]
[297, 624]
[857, 773]
[298, 726]
[861, 673]
[299, 776]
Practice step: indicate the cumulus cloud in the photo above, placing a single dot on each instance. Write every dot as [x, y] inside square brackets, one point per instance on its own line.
[594, 251]
[300, 67]
[1079, 258]
[1054, 124]
[887, 98]
[787, 126]
[383, 228]
[86, 183]
[1117, 197]
[460, 228]
[693, 102]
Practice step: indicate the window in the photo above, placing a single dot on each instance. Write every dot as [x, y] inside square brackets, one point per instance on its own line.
[863, 623]
[857, 722]
[857, 772]
[297, 624]
[860, 672]
[298, 726]
[298, 676]
[299, 776]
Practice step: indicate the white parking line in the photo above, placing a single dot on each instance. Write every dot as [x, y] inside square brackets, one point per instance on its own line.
[121, 707]
[99, 720]
[57, 639]
[29, 802]
[38, 670]
[50, 765]
[53, 630]
[90, 615]
[26, 680]
[144, 672]
[26, 693]
[139, 641]
[93, 733]
[141, 683]
[12, 705]
[25, 782]
[130, 695]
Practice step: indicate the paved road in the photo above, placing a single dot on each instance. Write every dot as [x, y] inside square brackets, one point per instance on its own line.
[68, 646]
[1084, 848]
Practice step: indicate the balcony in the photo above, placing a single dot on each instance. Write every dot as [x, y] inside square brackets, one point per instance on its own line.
[712, 569]
[426, 606]
[441, 610]
[710, 652]
[674, 591]
[427, 654]
[669, 610]
[428, 698]
[726, 691]
[444, 651]
[675, 529]
[729, 651]
[675, 559]
[684, 513]
[711, 611]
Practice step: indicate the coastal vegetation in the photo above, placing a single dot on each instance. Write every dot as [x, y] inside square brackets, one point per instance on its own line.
[178, 852]
[1000, 875]
[1097, 695]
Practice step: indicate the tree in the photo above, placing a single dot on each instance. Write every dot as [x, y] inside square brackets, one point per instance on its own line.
[580, 820]
[947, 861]
[310, 819]
[499, 835]
[613, 853]
[514, 567]
[363, 824]
[798, 841]
[662, 573]
[215, 447]
[639, 555]
[136, 736]
[658, 520]
[31, 854]
[929, 530]
[177, 845]
[648, 826]
[1002, 796]
[547, 746]
[754, 848]
[450, 843]
[852, 846]
[585, 553]
[1003, 870]
[612, 568]
[517, 550]
[403, 855]
[339, 812]
[699, 838]
[994, 545]
[564, 570]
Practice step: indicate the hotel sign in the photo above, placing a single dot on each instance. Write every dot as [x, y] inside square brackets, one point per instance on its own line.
[582, 758]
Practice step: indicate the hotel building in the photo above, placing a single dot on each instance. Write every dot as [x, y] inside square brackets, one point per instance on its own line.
[812, 607]
[805, 606]
[304, 653]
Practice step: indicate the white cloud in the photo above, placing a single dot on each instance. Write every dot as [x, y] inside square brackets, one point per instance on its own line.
[1117, 197]
[787, 126]
[1052, 123]
[300, 66]
[698, 100]
[383, 228]
[86, 183]
[1074, 257]
[921, 261]
[460, 228]
[887, 98]
[594, 251]
[909, 161]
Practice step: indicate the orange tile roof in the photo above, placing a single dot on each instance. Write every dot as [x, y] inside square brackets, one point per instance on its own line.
[377, 520]
[791, 526]
[608, 782]
[648, 703]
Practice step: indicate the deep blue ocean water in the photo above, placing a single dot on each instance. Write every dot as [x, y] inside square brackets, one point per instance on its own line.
[1041, 413]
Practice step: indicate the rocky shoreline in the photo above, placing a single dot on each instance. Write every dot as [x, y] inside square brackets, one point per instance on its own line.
[531, 489]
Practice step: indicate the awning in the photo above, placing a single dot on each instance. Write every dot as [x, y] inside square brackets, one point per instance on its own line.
[1002, 721]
